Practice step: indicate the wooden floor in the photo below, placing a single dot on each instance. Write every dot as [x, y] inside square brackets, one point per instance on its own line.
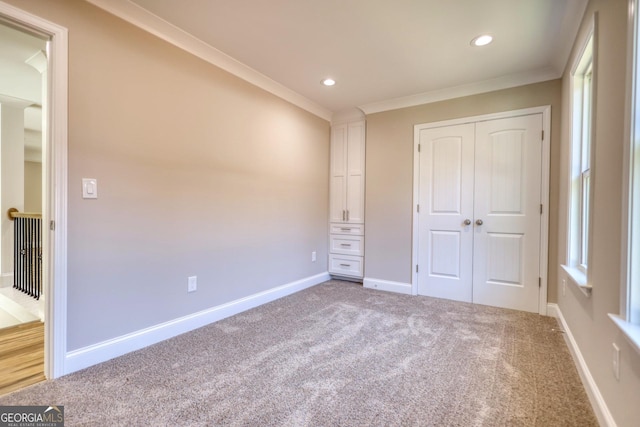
[21, 356]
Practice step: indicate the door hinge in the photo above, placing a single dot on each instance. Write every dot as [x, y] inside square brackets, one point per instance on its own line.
[418, 208]
[416, 268]
[418, 148]
[542, 135]
[540, 208]
[539, 282]
[52, 225]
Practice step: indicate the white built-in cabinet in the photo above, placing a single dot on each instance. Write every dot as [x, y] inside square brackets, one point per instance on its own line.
[346, 200]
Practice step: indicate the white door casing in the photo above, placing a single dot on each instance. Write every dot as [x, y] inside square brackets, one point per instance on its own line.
[486, 169]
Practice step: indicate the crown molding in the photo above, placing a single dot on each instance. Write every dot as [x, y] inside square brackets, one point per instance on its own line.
[475, 88]
[568, 33]
[345, 116]
[157, 26]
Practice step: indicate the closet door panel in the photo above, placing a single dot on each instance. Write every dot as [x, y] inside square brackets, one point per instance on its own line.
[446, 202]
[507, 202]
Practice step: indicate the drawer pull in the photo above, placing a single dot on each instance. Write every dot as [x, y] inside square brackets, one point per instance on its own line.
[347, 245]
[345, 229]
[345, 265]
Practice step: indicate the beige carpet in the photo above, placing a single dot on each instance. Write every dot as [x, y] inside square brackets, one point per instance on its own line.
[337, 355]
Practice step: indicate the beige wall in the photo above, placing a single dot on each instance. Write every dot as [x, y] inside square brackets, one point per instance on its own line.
[199, 173]
[389, 187]
[587, 316]
[33, 187]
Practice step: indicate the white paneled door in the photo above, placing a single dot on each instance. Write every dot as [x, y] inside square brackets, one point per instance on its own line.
[446, 204]
[480, 192]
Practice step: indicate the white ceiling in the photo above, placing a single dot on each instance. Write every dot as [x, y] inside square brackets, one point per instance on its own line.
[380, 50]
[384, 54]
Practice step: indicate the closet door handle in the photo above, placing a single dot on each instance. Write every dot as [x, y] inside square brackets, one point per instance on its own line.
[479, 222]
[467, 222]
[347, 214]
[343, 216]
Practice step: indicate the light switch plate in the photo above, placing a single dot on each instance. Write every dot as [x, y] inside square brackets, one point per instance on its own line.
[89, 188]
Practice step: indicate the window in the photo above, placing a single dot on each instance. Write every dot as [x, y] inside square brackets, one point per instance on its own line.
[633, 235]
[584, 79]
[582, 84]
[629, 319]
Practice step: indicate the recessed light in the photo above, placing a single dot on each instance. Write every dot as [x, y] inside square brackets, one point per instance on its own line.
[328, 82]
[482, 40]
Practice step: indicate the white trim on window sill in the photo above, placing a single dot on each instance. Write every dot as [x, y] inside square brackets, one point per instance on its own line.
[631, 331]
[579, 279]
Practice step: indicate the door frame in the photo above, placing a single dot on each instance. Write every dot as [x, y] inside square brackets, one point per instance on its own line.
[55, 200]
[544, 190]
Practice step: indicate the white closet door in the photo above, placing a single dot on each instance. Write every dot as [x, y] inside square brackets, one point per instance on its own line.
[446, 202]
[506, 249]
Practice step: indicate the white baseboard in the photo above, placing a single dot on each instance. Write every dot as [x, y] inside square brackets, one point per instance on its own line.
[386, 285]
[103, 351]
[595, 397]
[552, 310]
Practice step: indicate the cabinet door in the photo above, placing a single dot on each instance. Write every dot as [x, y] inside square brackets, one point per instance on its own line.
[338, 174]
[346, 245]
[346, 265]
[355, 172]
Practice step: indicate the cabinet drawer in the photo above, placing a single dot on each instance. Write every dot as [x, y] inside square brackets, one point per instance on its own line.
[346, 245]
[352, 229]
[346, 265]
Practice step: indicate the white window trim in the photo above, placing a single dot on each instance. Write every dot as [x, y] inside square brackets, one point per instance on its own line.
[574, 267]
[629, 318]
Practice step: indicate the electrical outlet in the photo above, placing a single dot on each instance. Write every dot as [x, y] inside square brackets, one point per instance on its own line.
[616, 361]
[564, 286]
[314, 256]
[192, 286]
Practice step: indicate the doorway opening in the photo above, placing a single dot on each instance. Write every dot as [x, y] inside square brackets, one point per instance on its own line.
[23, 97]
[34, 127]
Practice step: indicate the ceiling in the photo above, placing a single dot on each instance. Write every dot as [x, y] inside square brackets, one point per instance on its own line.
[383, 54]
[18, 79]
